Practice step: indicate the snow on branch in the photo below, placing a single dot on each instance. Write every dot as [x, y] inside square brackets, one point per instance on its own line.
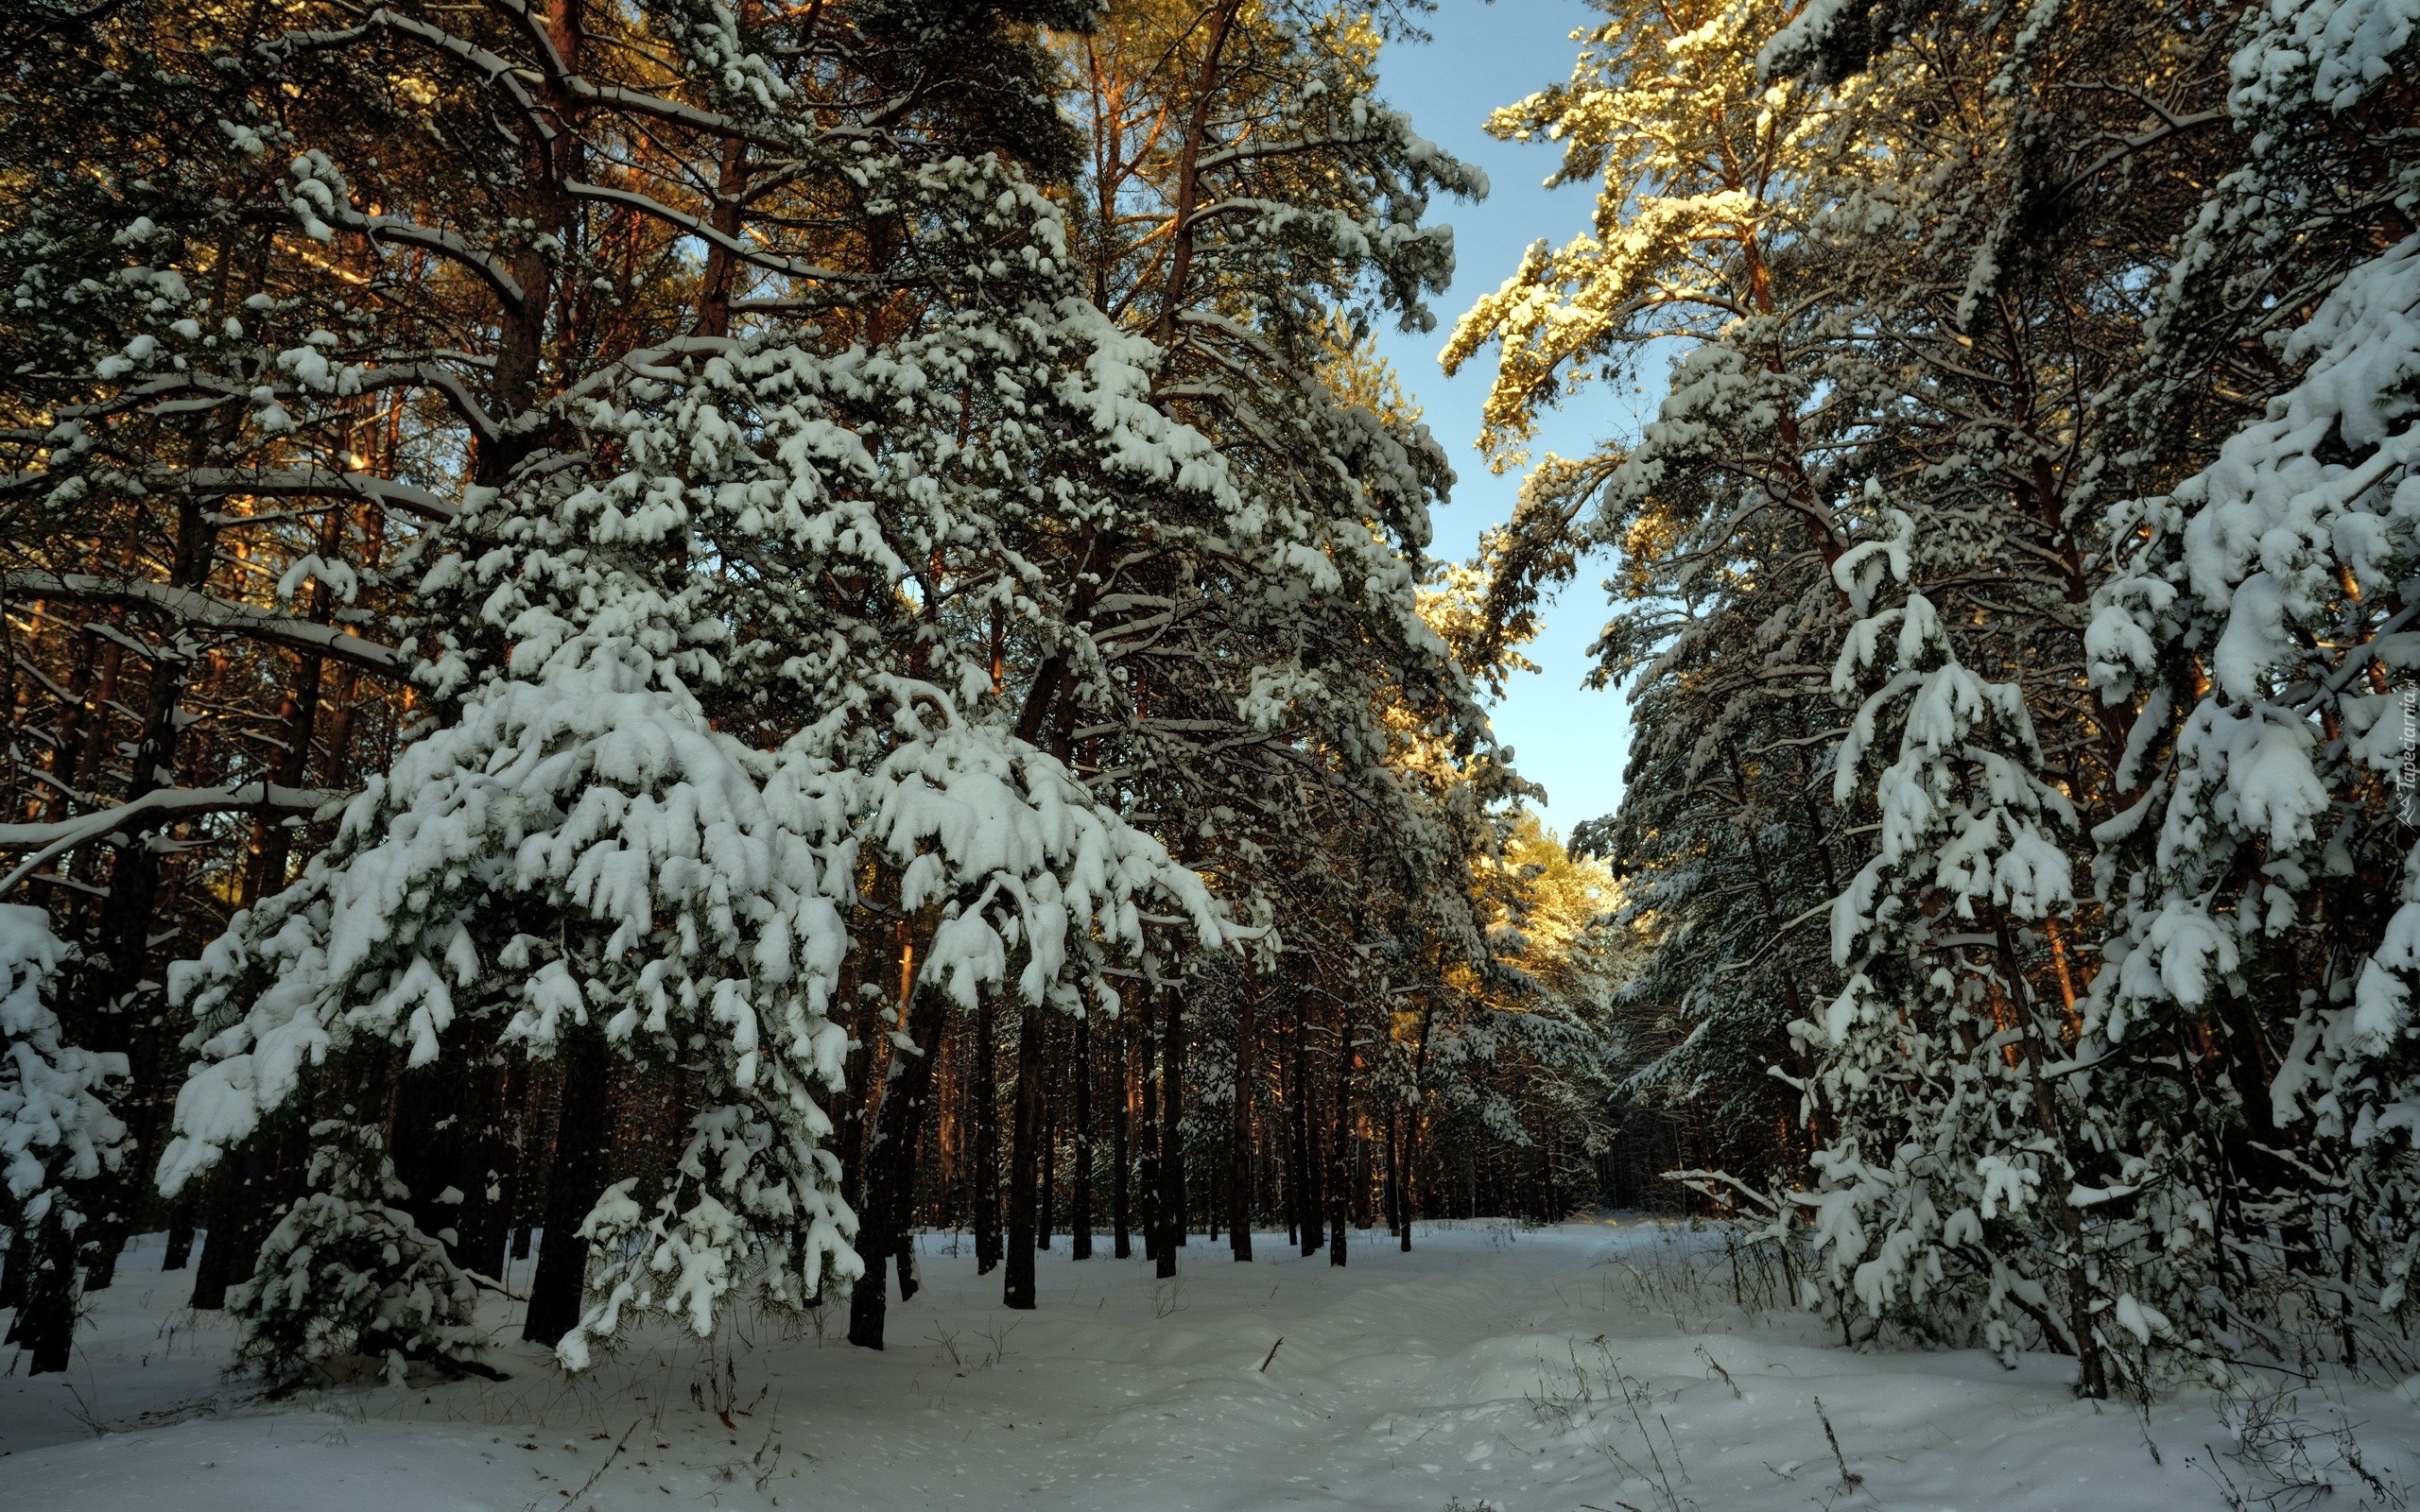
[159, 806]
[194, 607]
[315, 483]
[755, 256]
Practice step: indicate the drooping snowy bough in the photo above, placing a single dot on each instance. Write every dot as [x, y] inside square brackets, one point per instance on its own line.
[2262, 615]
[1950, 1189]
[58, 1131]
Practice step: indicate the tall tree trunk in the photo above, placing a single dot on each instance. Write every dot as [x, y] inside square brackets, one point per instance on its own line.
[486, 1218]
[1339, 1155]
[247, 1194]
[1121, 1235]
[506, 1147]
[20, 1258]
[1080, 1211]
[1150, 1132]
[1182, 224]
[984, 1180]
[272, 838]
[542, 1110]
[2093, 1370]
[431, 1126]
[46, 1315]
[549, 165]
[1419, 1106]
[1239, 1179]
[857, 1072]
[111, 1008]
[1361, 1182]
[222, 1241]
[890, 1167]
[1306, 1153]
[1046, 1210]
[1289, 1145]
[1172, 1213]
[573, 1184]
[713, 294]
[1397, 1208]
[181, 1226]
[1024, 1160]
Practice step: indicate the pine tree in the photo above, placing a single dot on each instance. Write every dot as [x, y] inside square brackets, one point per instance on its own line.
[58, 1136]
[345, 1274]
[2254, 1002]
[1952, 1186]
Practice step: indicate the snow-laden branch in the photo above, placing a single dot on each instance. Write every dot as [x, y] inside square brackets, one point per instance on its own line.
[498, 71]
[198, 609]
[445, 244]
[455, 393]
[286, 483]
[163, 805]
[754, 256]
[312, 483]
[1248, 152]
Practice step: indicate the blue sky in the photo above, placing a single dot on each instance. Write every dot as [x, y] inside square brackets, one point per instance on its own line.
[1565, 736]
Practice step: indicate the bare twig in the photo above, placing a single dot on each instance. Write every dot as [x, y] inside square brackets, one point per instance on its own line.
[1848, 1476]
[608, 1464]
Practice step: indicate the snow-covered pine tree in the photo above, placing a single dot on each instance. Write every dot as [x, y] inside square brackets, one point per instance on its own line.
[575, 848]
[343, 1275]
[1952, 1183]
[58, 1135]
[1989, 302]
[284, 273]
[583, 854]
[2253, 622]
[1952, 248]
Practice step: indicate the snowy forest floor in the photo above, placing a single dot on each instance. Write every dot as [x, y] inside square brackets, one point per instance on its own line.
[1595, 1364]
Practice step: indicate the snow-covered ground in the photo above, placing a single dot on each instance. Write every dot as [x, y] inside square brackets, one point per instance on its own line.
[1598, 1365]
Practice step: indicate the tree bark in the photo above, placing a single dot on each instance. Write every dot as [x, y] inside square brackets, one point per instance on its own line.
[1172, 1132]
[243, 1190]
[106, 1012]
[1306, 1172]
[272, 838]
[213, 1271]
[1182, 223]
[19, 1259]
[1419, 1104]
[1239, 1179]
[1045, 1208]
[1024, 1160]
[47, 1317]
[572, 1188]
[1151, 1132]
[891, 1166]
[181, 1226]
[1080, 1209]
[984, 1182]
[1338, 1169]
[713, 294]
[1396, 1223]
[1121, 1236]
[2093, 1370]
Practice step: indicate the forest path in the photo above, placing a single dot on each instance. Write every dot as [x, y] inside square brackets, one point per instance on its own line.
[1492, 1367]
